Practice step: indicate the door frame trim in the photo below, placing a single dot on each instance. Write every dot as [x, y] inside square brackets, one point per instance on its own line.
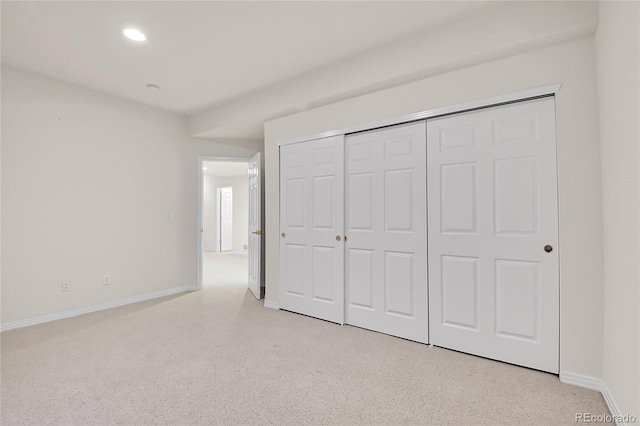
[200, 220]
[436, 112]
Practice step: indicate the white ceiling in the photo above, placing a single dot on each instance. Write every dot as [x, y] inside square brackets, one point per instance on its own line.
[227, 169]
[203, 54]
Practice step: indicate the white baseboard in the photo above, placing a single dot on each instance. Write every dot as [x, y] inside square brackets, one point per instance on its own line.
[611, 404]
[596, 385]
[581, 381]
[87, 309]
[271, 305]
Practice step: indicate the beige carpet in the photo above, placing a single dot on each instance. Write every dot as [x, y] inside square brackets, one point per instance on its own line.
[218, 356]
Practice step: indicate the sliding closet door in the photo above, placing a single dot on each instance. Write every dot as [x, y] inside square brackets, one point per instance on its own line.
[386, 278]
[493, 233]
[312, 228]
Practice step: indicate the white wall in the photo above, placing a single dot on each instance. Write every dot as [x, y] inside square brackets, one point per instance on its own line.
[573, 65]
[88, 182]
[240, 189]
[618, 59]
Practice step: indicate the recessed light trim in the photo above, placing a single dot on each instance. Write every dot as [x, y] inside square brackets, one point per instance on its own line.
[134, 34]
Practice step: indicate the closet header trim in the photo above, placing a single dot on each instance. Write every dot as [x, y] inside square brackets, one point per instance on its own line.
[537, 92]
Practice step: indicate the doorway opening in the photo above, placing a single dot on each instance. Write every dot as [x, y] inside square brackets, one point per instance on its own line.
[224, 223]
[224, 219]
[237, 257]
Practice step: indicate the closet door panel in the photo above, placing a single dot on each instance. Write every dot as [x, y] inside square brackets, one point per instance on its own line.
[386, 286]
[311, 217]
[493, 208]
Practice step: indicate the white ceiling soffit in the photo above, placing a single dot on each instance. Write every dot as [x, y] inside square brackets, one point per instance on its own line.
[201, 53]
[490, 34]
[226, 169]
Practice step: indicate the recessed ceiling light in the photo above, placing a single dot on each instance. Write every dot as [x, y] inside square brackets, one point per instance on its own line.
[153, 86]
[204, 168]
[133, 34]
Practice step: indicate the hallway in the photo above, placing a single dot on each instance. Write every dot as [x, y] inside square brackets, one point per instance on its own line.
[224, 269]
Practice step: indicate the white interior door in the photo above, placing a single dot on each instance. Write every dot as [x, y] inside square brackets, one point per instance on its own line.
[255, 226]
[225, 209]
[312, 228]
[492, 188]
[386, 280]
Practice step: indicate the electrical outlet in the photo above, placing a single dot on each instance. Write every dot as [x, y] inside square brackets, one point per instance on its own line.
[66, 286]
[106, 280]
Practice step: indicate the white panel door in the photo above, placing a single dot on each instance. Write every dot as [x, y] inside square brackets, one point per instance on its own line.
[312, 228]
[492, 187]
[255, 226]
[386, 250]
[225, 208]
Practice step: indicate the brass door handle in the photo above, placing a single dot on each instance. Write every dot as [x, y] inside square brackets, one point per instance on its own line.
[338, 238]
[548, 248]
[284, 235]
[258, 232]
